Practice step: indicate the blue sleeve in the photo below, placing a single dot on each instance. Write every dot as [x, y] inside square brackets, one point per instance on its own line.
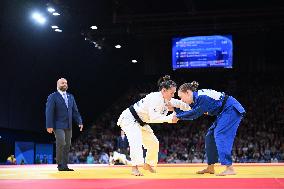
[49, 112]
[178, 111]
[75, 113]
[197, 111]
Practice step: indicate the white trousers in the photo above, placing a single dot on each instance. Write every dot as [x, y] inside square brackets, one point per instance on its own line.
[138, 136]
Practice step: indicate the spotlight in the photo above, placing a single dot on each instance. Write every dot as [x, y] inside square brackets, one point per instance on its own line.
[94, 27]
[38, 17]
[55, 14]
[134, 61]
[117, 46]
[50, 9]
[58, 30]
[54, 27]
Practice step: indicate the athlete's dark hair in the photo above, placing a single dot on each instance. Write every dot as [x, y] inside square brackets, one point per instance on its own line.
[166, 82]
[189, 86]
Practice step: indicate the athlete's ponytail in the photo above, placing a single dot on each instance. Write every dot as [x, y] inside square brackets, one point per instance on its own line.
[189, 86]
[166, 82]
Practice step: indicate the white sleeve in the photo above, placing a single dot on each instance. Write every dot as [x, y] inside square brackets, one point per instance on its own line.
[179, 104]
[155, 115]
[160, 118]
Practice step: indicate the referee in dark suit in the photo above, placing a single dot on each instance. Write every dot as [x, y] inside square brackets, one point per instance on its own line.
[122, 143]
[61, 109]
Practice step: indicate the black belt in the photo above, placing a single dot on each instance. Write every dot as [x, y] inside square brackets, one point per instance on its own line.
[136, 117]
[223, 103]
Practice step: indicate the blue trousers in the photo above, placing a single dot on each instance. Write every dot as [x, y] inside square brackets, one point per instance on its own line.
[220, 137]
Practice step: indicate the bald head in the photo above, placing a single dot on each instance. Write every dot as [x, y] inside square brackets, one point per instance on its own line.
[62, 84]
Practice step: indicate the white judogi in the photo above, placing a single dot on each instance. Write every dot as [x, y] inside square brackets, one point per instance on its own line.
[118, 156]
[151, 109]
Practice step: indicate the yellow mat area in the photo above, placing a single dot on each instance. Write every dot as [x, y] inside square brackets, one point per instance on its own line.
[164, 171]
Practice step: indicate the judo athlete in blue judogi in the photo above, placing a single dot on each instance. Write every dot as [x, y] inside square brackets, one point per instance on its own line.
[220, 136]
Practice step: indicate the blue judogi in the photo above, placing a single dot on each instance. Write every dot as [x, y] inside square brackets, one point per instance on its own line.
[220, 136]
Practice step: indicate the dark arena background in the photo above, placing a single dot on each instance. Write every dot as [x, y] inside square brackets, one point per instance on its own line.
[112, 53]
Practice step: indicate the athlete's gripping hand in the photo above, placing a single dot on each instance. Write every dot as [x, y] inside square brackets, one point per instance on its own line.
[175, 119]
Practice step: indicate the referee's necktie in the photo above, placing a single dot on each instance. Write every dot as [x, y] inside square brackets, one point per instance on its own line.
[65, 99]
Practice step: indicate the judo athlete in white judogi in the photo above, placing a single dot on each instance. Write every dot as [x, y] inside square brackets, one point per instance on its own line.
[134, 122]
[116, 156]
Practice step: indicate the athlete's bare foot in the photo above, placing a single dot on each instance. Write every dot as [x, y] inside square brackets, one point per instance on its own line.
[229, 171]
[149, 168]
[204, 171]
[135, 171]
[209, 169]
